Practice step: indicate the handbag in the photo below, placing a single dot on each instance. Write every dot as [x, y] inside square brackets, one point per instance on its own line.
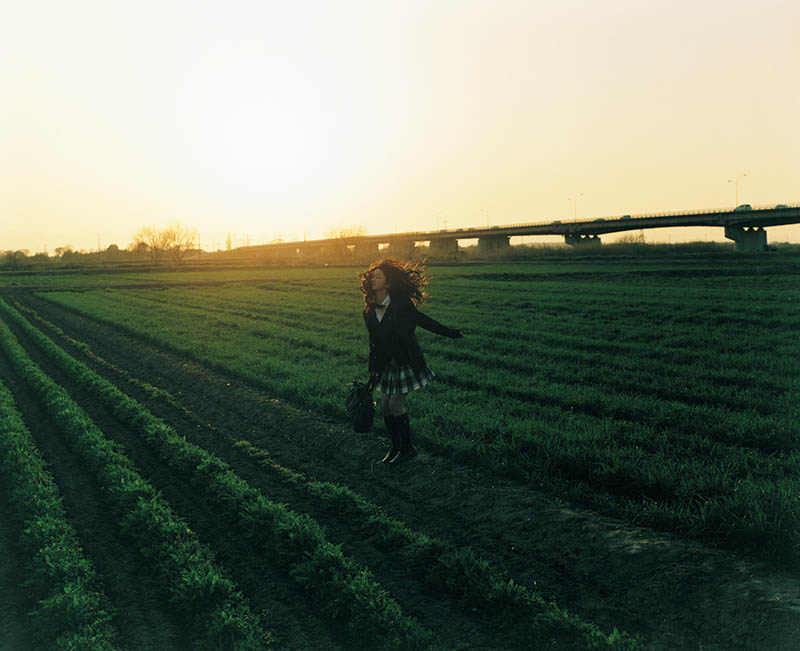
[359, 405]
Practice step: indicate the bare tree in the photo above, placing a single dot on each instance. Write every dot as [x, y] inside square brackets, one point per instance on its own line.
[172, 242]
[345, 232]
[179, 240]
[152, 239]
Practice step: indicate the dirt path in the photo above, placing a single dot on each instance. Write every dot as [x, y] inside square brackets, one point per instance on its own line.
[678, 593]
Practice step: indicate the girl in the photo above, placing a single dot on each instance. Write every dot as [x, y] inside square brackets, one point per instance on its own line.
[392, 290]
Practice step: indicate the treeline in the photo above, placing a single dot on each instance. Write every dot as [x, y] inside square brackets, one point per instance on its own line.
[65, 258]
[154, 247]
[341, 254]
[169, 245]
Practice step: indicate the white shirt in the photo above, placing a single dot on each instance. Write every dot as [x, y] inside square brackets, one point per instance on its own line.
[380, 308]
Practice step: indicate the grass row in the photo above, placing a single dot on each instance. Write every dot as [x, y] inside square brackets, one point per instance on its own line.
[559, 359]
[218, 614]
[687, 305]
[459, 570]
[645, 395]
[712, 385]
[729, 401]
[635, 352]
[346, 592]
[744, 501]
[72, 611]
[717, 315]
[677, 478]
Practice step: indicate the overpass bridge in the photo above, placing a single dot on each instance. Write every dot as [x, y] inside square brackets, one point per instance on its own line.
[745, 225]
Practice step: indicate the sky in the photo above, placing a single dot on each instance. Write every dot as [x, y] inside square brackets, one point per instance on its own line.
[292, 119]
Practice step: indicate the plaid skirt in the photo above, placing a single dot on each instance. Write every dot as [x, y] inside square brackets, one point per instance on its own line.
[403, 379]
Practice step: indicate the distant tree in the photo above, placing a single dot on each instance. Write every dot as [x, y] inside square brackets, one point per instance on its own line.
[632, 238]
[113, 252]
[172, 242]
[179, 240]
[345, 232]
[139, 249]
[14, 259]
[154, 242]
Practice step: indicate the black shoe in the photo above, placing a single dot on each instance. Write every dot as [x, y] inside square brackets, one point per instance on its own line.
[407, 450]
[392, 431]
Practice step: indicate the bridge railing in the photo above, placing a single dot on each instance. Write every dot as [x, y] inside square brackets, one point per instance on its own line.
[478, 231]
[699, 211]
[464, 233]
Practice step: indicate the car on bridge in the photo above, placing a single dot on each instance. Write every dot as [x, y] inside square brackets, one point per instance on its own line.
[743, 208]
[781, 205]
[625, 217]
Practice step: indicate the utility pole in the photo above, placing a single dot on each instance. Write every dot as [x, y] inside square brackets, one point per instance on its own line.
[736, 182]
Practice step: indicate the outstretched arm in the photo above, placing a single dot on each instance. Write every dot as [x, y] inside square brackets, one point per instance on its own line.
[424, 321]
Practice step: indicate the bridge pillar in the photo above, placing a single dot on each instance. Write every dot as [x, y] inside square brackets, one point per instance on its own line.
[308, 252]
[367, 250]
[444, 247]
[403, 249]
[576, 239]
[493, 244]
[752, 239]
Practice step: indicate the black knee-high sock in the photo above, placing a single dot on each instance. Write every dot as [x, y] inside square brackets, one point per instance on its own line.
[403, 426]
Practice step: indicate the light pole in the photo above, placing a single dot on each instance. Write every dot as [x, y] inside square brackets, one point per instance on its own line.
[575, 205]
[736, 182]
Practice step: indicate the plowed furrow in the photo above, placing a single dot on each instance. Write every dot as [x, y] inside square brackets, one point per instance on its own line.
[142, 615]
[678, 594]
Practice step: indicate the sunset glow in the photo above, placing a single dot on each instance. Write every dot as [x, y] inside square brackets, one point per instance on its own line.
[285, 120]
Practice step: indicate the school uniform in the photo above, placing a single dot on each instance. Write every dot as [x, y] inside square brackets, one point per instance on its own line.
[394, 352]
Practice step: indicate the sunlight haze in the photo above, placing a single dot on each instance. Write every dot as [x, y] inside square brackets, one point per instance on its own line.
[276, 119]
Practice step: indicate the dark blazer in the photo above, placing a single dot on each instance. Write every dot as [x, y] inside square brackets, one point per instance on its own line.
[393, 336]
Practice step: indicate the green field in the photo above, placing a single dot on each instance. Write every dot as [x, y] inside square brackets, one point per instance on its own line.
[609, 451]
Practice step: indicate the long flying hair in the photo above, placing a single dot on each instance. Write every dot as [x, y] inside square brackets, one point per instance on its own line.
[405, 279]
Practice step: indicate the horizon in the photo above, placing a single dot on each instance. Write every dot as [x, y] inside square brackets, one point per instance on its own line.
[289, 122]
